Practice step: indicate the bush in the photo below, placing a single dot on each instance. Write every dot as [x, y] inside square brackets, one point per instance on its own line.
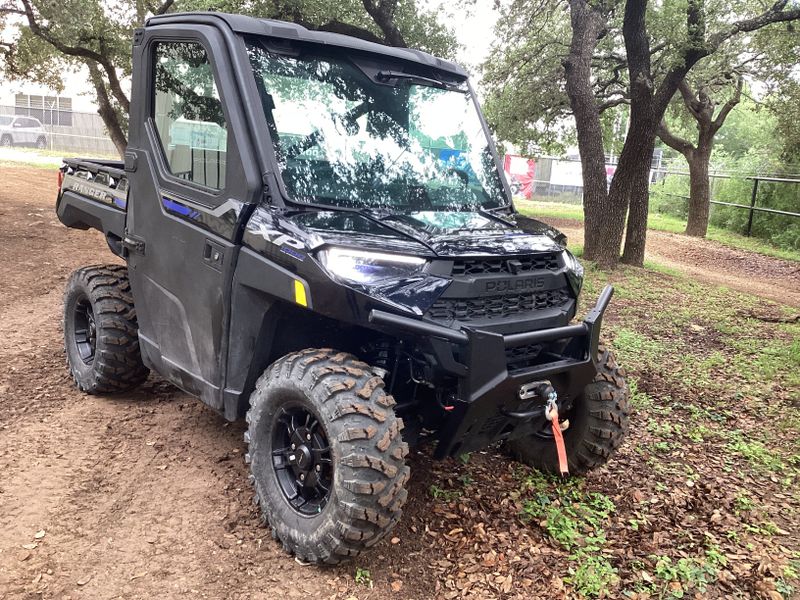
[669, 197]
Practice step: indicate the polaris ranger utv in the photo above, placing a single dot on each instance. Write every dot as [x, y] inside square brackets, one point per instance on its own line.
[318, 237]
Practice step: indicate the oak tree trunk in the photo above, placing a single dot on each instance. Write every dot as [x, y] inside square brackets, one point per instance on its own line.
[699, 190]
[635, 186]
[601, 217]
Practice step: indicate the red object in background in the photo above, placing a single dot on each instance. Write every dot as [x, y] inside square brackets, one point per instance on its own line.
[520, 172]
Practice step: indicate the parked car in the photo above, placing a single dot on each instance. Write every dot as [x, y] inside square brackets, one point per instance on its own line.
[22, 131]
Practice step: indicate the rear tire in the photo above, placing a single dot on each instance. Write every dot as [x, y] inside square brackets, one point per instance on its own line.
[328, 499]
[41, 143]
[598, 424]
[101, 332]
[6, 141]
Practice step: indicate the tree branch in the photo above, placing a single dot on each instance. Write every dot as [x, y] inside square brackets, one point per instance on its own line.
[673, 141]
[729, 105]
[611, 103]
[105, 108]
[78, 52]
[695, 49]
[165, 6]
[351, 30]
[690, 100]
[382, 12]
[775, 14]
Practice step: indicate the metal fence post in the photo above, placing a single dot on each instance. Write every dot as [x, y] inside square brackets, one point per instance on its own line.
[752, 205]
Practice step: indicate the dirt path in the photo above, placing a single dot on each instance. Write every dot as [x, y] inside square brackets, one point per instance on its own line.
[138, 496]
[144, 495]
[771, 278]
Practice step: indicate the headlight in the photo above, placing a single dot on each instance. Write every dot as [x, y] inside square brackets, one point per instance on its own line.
[574, 272]
[364, 267]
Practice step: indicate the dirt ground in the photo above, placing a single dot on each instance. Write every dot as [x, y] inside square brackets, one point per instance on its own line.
[144, 495]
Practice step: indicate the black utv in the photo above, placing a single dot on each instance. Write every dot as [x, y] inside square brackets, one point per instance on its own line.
[318, 237]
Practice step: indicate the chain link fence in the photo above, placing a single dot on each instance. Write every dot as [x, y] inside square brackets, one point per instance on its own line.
[69, 133]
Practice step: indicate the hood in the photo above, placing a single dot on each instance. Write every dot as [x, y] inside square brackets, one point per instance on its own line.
[446, 233]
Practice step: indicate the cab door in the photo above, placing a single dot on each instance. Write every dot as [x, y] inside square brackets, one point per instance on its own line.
[189, 190]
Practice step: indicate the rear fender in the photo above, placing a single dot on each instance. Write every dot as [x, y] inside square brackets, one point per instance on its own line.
[78, 212]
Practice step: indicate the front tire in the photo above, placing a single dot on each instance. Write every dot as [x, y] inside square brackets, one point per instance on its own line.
[101, 332]
[326, 455]
[598, 424]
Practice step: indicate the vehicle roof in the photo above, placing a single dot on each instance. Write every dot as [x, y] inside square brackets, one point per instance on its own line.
[14, 117]
[292, 31]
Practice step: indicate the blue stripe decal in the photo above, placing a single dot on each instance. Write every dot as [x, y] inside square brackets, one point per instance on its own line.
[121, 203]
[179, 208]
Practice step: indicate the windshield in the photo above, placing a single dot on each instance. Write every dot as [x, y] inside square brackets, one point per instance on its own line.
[6, 121]
[343, 139]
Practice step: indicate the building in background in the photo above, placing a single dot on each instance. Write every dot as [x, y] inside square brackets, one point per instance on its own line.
[69, 118]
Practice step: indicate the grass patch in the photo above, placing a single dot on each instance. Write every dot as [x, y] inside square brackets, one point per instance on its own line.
[442, 494]
[676, 577]
[756, 453]
[575, 520]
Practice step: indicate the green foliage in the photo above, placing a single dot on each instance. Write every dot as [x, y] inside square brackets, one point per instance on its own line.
[438, 493]
[575, 520]
[785, 106]
[98, 34]
[756, 453]
[688, 573]
[749, 130]
[526, 100]
[419, 25]
[593, 575]
[363, 577]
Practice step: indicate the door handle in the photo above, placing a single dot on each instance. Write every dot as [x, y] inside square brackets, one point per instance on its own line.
[213, 255]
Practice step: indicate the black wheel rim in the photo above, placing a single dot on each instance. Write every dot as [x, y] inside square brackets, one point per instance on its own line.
[301, 457]
[546, 428]
[85, 330]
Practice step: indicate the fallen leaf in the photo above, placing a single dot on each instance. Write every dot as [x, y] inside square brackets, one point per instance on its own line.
[84, 581]
[395, 540]
[30, 546]
[39, 534]
[397, 585]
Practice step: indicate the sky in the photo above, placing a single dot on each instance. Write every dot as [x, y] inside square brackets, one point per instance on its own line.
[474, 27]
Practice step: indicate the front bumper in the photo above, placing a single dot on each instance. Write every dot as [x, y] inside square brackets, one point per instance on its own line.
[488, 407]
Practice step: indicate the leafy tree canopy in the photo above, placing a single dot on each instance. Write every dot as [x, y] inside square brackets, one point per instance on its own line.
[68, 34]
[527, 101]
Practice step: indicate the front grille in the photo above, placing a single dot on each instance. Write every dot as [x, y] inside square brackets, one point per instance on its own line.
[495, 307]
[545, 261]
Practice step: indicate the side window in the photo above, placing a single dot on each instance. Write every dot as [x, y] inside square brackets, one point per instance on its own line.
[188, 114]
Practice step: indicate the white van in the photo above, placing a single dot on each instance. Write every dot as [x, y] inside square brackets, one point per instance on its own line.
[21, 131]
